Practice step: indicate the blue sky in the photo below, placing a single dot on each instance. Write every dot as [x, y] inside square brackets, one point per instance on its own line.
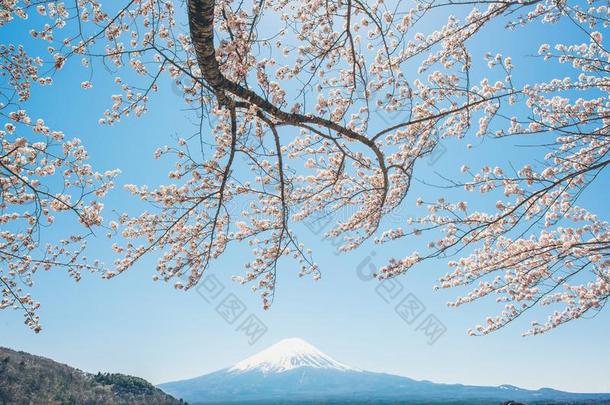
[132, 325]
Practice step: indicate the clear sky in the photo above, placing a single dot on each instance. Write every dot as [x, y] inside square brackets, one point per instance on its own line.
[132, 325]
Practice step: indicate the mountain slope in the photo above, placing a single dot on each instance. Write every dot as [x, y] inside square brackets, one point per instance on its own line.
[28, 379]
[294, 371]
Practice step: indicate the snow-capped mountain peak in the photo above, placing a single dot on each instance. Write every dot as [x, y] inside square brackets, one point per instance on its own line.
[288, 354]
[294, 370]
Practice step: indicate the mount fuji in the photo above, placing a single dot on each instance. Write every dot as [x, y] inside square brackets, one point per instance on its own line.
[294, 372]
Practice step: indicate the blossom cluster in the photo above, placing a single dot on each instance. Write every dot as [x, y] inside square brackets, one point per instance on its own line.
[319, 107]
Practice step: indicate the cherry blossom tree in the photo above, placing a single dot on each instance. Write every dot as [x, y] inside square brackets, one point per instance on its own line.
[296, 91]
[42, 175]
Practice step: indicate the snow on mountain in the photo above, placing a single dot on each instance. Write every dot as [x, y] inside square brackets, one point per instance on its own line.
[289, 354]
[293, 371]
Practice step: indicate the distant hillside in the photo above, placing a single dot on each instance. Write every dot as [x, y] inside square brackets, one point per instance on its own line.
[27, 379]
